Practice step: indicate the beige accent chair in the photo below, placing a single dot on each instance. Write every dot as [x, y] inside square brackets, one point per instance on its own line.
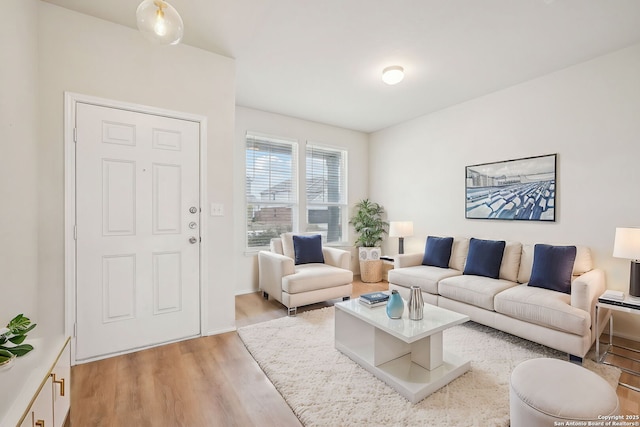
[303, 284]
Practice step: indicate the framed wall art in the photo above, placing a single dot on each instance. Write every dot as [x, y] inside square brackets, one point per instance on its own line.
[520, 189]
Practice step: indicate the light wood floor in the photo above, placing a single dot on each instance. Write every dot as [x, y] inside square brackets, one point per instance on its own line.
[209, 381]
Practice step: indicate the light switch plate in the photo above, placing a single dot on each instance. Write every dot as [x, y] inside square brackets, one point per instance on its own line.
[217, 209]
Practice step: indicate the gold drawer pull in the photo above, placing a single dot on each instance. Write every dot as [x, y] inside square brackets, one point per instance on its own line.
[59, 381]
[40, 423]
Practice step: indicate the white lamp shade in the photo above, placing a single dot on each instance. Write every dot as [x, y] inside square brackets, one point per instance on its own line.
[159, 22]
[400, 228]
[627, 243]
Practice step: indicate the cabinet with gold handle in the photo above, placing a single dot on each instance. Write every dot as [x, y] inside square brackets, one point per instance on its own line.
[41, 411]
[58, 381]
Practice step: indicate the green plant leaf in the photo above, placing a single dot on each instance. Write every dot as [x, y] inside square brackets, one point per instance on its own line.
[20, 350]
[29, 329]
[18, 339]
[19, 324]
[5, 355]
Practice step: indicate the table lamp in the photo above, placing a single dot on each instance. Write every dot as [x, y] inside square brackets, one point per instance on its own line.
[401, 229]
[627, 245]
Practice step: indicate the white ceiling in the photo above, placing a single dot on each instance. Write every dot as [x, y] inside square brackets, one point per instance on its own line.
[322, 60]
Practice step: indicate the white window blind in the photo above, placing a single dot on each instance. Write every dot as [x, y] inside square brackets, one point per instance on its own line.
[271, 187]
[326, 189]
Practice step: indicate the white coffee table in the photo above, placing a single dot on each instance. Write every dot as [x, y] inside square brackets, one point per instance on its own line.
[406, 354]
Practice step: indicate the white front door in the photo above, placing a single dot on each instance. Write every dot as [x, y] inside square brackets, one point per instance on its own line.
[138, 217]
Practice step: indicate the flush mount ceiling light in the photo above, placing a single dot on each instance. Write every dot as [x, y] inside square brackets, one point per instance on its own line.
[159, 22]
[393, 75]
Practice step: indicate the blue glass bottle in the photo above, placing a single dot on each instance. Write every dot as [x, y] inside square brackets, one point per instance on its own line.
[395, 305]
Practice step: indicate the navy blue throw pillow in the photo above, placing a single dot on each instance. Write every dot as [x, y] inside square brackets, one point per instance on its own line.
[437, 251]
[484, 258]
[308, 249]
[552, 267]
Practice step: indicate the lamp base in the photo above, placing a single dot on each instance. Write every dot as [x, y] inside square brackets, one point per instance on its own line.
[401, 245]
[634, 280]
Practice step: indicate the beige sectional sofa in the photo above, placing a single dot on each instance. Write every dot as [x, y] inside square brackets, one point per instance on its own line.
[555, 319]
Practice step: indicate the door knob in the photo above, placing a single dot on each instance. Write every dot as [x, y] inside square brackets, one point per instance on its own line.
[193, 240]
[193, 209]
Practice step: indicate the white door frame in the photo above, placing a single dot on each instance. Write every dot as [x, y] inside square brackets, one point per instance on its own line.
[70, 101]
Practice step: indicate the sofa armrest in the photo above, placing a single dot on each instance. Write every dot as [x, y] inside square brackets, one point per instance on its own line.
[408, 260]
[586, 289]
[271, 269]
[337, 257]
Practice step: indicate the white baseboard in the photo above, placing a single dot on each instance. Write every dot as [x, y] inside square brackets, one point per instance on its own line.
[247, 291]
[220, 331]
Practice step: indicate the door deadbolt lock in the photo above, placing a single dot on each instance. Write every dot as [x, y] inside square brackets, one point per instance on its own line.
[193, 240]
[193, 209]
[192, 225]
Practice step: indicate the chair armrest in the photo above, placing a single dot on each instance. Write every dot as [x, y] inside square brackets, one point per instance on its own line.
[337, 257]
[586, 289]
[271, 269]
[408, 260]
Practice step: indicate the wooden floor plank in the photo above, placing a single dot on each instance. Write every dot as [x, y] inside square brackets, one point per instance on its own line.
[208, 381]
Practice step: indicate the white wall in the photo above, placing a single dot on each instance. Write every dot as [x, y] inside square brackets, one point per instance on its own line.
[248, 119]
[18, 161]
[588, 114]
[82, 54]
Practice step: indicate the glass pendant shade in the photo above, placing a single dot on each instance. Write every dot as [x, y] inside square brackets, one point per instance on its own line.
[159, 22]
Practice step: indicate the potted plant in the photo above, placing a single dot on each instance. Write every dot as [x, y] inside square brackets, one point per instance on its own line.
[370, 225]
[12, 340]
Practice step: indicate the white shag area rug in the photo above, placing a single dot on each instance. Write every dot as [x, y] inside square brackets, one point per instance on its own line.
[324, 387]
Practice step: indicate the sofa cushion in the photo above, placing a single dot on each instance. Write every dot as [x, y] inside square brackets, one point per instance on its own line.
[475, 290]
[287, 245]
[459, 251]
[425, 276]
[308, 249]
[511, 261]
[484, 258]
[552, 267]
[543, 307]
[287, 242]
[309, 277]
[582, 264]
[437, 251]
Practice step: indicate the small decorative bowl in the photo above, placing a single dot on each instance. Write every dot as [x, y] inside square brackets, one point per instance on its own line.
[7, 360]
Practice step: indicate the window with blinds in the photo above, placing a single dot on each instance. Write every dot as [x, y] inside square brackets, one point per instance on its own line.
[271, 187]
[326, 191]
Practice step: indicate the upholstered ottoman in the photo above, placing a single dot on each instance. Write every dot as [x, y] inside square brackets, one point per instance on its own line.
[544, 391]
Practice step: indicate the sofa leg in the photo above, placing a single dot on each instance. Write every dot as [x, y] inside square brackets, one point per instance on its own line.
[575, 359]
[265, 295]
[292, 311]
[346, 298]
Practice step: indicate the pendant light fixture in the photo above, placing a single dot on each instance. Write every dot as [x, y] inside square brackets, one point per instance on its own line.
[159, 22]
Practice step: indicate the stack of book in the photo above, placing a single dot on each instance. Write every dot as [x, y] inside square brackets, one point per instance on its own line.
[610, 295]
[373, 299]
[618, 298]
